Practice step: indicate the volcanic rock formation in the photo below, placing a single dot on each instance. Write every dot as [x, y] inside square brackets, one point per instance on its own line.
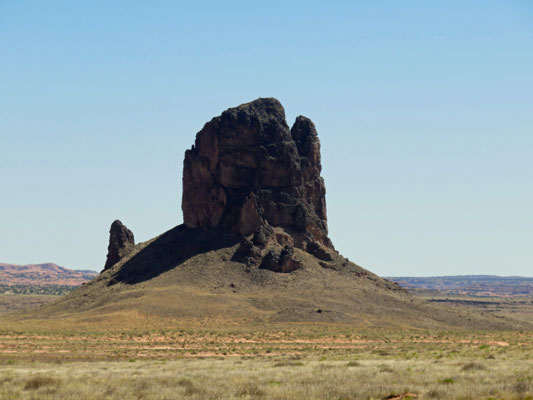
[254, 245]
[248, 170]
[120, 241]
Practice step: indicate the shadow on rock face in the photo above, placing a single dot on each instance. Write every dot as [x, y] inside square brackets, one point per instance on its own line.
[168, 251]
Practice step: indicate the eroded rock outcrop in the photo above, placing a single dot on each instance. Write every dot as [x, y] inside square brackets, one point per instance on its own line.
[268, 248]
[120, 242]
[248, 170]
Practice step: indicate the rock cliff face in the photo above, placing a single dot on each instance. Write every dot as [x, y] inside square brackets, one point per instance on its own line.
[120, 241]
[247, 170]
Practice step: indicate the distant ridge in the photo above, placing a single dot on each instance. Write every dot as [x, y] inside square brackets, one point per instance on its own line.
[474, 285]
[46, 274]
[474, 277]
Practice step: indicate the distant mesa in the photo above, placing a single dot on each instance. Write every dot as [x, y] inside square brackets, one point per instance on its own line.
[471, 285]
[47, 274]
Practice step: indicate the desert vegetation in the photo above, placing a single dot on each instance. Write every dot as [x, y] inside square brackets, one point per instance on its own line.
[49, 290]
[267, 377]
[298, 362]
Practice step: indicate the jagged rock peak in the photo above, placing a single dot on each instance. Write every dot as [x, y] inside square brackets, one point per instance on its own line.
[248, 169]
[120, 241]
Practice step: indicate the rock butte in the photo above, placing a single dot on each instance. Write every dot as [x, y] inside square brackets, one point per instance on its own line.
[248, 173]
[253, 247]
[248, 169]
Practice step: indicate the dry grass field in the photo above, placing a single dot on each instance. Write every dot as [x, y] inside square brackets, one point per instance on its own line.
[165, 325]
[293, 361]
[129, 355]
[270, 378]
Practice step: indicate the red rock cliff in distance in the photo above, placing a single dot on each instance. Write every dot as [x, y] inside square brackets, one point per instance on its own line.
[248, 170]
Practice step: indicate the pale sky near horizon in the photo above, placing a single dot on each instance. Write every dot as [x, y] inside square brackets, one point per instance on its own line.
[424, 111]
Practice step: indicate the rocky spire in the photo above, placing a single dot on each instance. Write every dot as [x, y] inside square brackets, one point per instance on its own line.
[120, 241]
[248, 169]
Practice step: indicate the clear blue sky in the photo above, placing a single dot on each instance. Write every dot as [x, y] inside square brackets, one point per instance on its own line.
[424, 110]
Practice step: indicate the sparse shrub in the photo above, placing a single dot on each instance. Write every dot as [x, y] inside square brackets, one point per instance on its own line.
[185, 382]
[109, 391]
[190, 389]
[393, 395]
[520, 387]
[435, 394]
[36, 382]
[289, 364]
[5, 380]
[473, 366]
[323, 367]
[353, 364]
[403, 396]
[448, 381]
[250, 389]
